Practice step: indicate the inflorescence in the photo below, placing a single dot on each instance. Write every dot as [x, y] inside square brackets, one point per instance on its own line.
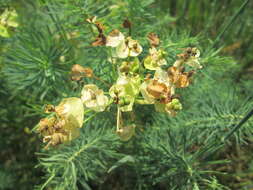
[147, 81]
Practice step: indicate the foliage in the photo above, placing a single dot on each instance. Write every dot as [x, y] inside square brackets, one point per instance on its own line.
[197, 149]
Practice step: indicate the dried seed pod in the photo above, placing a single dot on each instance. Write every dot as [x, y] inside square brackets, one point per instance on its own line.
[153, 39]
[100, 40]
[179, 78]
[156, 89]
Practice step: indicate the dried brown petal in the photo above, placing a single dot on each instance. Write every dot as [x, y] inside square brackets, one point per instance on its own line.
[78, 71]
[178, 77]
[55, 139]
[157, 89]
[46, 126]
[153, 39]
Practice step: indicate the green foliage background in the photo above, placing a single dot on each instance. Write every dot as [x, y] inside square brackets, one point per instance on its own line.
[189, 151]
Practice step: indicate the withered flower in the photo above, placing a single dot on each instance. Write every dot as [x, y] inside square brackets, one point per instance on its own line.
[55, 139]
[64, 125]
[154, 91]
[78, 72]
[100, 27]
[179, 78]
[153, 39]
[101, 38]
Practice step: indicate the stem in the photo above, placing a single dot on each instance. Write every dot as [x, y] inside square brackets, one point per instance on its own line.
[101, 80]
[118, 119]
[226, 27]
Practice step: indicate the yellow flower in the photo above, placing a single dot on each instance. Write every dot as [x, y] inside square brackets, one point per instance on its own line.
[128, 47]
[129, 68]
[94, 98]
[155, 59]
[72, 110]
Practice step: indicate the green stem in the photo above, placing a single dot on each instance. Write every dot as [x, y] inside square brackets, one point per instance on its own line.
[237, 127]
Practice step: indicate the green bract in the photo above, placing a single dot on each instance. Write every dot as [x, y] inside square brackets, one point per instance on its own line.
[72, 110]
[129, 67]
[125, 133]
[125, 89]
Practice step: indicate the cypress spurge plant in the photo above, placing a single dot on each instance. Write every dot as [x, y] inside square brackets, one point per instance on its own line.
[150, 80]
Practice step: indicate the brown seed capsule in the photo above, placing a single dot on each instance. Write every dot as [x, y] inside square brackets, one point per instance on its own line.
[153, 39]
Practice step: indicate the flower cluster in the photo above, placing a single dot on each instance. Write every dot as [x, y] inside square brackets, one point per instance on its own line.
[151, 80]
